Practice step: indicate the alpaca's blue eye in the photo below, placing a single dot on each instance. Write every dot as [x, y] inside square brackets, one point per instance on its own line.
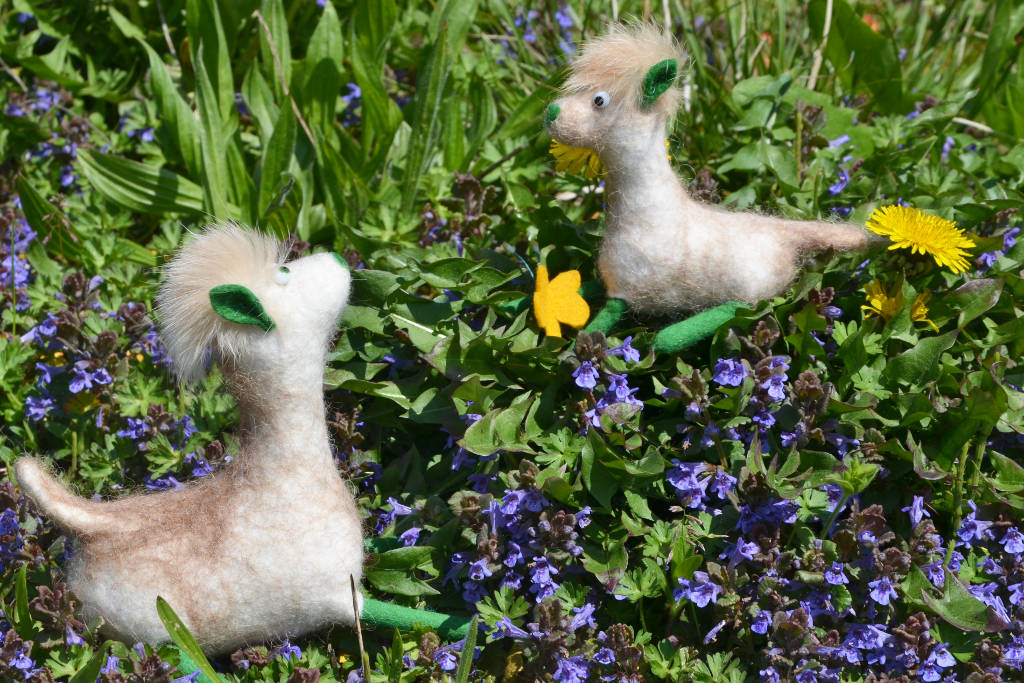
[282, 275]
[601, 100]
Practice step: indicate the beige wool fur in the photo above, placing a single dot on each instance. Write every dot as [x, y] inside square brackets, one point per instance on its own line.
[663, 251]
[262, 549]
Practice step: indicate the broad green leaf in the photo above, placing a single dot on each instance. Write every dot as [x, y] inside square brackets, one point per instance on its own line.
[48, 221]
[177, 117]
[277, 156]
[1009, 474]
[213, 145]
[963, 610]
[91, 671]
[141, 187]
[210, 53]
[324, 69]
[915, 365]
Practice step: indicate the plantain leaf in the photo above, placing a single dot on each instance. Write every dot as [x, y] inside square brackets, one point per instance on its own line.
[140, 187]
[184, 639]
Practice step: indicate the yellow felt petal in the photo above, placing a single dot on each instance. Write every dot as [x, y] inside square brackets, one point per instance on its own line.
[569, 307]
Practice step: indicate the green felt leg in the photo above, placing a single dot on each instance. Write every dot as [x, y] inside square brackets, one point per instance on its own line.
[607, 317]
[385, 614]
[678, 336]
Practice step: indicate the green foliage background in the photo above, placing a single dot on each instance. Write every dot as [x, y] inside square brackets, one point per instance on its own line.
[438, 185]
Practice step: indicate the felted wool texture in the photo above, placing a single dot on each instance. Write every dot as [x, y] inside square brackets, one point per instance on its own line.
[664, 252]
[264, 548]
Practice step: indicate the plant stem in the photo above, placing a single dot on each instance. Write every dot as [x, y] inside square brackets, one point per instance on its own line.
[958, 497]
[835, 513]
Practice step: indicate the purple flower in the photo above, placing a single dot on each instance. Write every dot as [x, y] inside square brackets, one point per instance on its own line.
[563, 18]
[38, 407]
[504, 628]
[1009, 238]
[586, 375]
[972, 529]
[1016, 593]
[916, 511]
[714, 631]
[572, 670]
[72, 638]
[446, 659]
[534, 500]
[1013, 654]
[834, 574]
[839, 141]
[840, 184]
[739, 551]
[700, 589]
[626, 350]
[287, 650]
[775, 386]
[540, 578]
[478, 570]
[947, 146]
[723, 483]
[683, 477]
[135, 430]
[729, 372]
[762, 622]
[605, 656]
[882, 590]
[770, 675]
[399, 508]
[584, 616]
[1013, 541]
[410, 536]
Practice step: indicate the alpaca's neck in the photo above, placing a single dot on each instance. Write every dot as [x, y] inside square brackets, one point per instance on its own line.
[284, 426]
[641, 186]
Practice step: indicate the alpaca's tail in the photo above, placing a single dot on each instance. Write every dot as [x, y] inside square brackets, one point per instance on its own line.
[815, 237]
[69, 511]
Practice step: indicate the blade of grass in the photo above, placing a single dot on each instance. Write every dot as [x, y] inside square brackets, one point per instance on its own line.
[184, 639]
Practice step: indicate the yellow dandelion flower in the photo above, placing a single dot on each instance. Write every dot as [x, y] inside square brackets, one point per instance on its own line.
[922, 233]
[576, 160]
[558, 301]
[880, 303]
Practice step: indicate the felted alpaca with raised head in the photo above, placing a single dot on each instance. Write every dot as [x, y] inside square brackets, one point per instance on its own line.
[264, 548]
[664, 252]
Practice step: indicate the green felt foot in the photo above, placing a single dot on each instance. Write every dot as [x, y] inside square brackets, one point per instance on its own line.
[385, 614]
[684, 333]
[607, 317]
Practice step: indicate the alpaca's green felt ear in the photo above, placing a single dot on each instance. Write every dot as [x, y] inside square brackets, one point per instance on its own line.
[239, 305]
[659, 78]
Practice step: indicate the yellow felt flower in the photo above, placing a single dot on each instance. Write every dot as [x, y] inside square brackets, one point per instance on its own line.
[881, 304]
[558, 301]
[922, 233]
[576, 160]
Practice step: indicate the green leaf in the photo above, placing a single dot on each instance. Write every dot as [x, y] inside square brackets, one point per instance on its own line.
[1009, 475]
[176, 116]
[184, 639]
[859, 55]
[973, 298]
[277, 157]
[916, 365]
[50, 224]
[324, 69]
[398, 582]
[91, 671]
[963, 610]
[22, 618]
[427, 108]
[213, 144]
[210, 54]
[274, 14]
[468, 647]
[141, 187]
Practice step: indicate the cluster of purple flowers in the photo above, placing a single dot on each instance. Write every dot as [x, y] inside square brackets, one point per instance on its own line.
[15, 271]
[11, 539]
[529, 544]
[817, 629]
[47, 101]
[590, 372]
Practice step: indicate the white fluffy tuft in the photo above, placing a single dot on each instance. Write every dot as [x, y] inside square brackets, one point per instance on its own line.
[221, 254]
[617, 61]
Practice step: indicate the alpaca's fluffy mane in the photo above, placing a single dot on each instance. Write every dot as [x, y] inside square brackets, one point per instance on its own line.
[618, 60]
[219, 255]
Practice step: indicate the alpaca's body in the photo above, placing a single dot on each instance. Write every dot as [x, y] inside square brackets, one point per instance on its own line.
[265, 548]
[664, 252]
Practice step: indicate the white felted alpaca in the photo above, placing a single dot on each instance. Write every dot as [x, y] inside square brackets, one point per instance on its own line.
[264, 548]
[664, 252]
